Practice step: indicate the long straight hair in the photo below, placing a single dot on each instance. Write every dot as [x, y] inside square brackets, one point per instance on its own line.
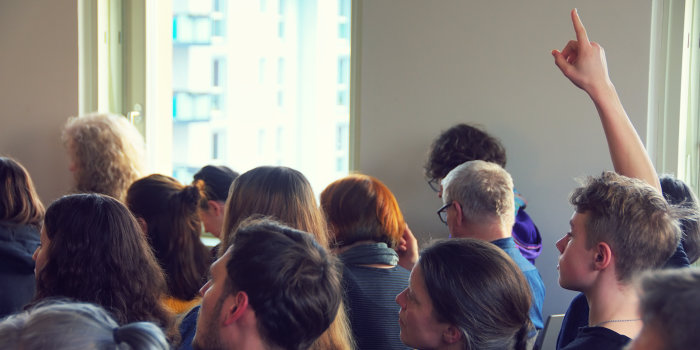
[279, 192]
[19, 203]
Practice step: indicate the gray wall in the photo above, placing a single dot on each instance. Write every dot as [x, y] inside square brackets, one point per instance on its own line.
[38, 87]
[426, 65]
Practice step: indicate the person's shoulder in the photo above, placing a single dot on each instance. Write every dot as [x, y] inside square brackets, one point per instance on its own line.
[599, 338]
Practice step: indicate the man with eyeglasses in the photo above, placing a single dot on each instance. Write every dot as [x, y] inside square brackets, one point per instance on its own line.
[478, 203]
[462, 143]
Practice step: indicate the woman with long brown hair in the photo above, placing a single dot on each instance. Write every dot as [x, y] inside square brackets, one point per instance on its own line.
[92, 250]
[21, 213]
[167, 212]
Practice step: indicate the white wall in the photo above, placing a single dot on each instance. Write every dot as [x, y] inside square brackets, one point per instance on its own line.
[38, 87]
[426, 65]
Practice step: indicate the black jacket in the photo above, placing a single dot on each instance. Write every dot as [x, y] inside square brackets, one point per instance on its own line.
[17, 283]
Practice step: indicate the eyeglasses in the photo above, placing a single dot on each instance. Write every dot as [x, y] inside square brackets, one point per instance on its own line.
[442, 213]
[434, 184]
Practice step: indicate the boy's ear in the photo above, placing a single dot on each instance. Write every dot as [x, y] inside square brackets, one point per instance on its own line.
[603, 256]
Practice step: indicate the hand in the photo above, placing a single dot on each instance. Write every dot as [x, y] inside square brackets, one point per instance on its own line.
[582, 61]
[407, 249]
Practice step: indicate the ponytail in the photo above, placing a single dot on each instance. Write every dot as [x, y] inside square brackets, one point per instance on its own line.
[521, 337]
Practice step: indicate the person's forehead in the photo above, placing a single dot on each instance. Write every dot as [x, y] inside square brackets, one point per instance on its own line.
[219, 265]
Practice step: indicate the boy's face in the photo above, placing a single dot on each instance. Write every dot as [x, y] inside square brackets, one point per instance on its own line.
[575, 260]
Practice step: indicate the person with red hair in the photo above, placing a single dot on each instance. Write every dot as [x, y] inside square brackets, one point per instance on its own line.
[367, 227]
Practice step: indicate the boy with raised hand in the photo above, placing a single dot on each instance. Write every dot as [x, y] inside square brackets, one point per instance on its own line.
[622, 225]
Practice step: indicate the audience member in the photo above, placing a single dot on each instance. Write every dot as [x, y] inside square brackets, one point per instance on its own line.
[462, 143]
[215, 182]
[366, 224]
[274, 288]
[167, 212]
[670, 310]
[285, 195]
[478, 198]
[679, 193]
[21, 213]
[621, 225]
[67, 326]
[92, 250]
[465, 294]
[106, 153]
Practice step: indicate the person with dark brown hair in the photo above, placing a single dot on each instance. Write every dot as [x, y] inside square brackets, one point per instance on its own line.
[285, 195]
[465, 294]
[366, 224]
[214, 181]
[274, 288]
[92, 250]
[21, 213]
[463, 143]
[167, 213]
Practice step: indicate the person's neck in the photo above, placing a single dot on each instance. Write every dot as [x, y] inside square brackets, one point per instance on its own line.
[488, 231]
[614, 305]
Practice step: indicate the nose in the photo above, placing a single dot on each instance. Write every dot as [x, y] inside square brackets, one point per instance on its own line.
[561, 244]
[204, 288]
[401, 298]
[36, 253]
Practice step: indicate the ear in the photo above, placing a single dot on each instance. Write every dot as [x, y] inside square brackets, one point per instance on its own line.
[460, 214]
[603, 256]
[452, 335]
[143, 224]
[235, 306]
[217, 207]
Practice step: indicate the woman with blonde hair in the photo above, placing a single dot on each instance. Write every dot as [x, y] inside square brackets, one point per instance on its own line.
[106, 153]
[367, 225]
[21, 213]
[285, 195]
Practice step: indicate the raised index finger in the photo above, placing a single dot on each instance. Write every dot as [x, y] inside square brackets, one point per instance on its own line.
[581, 35]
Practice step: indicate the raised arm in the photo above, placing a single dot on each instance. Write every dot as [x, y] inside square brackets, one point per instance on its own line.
[583, 62]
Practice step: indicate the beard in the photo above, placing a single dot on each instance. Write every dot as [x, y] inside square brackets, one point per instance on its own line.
[208, 335]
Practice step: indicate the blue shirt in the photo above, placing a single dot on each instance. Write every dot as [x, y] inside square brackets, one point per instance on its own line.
[531, 274]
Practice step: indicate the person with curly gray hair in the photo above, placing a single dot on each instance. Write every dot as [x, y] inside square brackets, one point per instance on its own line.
[67, 325]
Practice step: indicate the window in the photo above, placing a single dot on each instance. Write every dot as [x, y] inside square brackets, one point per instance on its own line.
[673, 135]
[223, 88]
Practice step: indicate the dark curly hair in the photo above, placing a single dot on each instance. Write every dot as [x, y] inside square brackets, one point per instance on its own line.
[96, 253]
[174, 226]
[462, 143]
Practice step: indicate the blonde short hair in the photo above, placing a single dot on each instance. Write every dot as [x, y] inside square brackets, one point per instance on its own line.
[109, 153]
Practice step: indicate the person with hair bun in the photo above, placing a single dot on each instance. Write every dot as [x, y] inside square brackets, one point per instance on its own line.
[367, 225]
[465, 294]
[214, 181]
[167, 213]
[106, 153]
[63, 325]
[21, 213]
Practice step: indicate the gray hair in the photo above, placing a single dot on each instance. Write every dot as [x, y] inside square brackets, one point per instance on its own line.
[670, 304]
[67, 325]
[483, 189]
